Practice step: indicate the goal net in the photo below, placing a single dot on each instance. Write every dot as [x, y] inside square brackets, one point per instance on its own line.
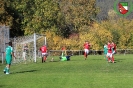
[4, 38]
[33, 44]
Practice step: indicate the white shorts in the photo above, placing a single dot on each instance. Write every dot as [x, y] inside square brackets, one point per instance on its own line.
[44, 54]
[24, 54]
[86, 51]
[109, 55]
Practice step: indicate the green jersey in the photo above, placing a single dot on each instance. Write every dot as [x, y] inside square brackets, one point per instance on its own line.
[105, 49]
[9, 50]
[64, 58]
[8, 56]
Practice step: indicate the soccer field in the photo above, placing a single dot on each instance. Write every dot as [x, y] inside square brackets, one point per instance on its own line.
[95, 72]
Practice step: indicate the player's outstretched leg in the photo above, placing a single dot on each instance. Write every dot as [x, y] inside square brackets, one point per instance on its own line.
[5, 69]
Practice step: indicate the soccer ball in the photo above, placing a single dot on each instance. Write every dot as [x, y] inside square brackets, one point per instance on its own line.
[52, 59]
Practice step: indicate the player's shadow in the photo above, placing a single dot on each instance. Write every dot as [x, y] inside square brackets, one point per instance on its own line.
[1, 63]
[96, 59]
[119, 60]
[55, 61]
[61, 61]
[2, 86]
[24, 71]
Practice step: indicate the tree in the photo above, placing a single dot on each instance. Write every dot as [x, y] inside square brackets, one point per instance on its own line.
[5, 17]
[78, 13]
[9, 16]
[41, 15]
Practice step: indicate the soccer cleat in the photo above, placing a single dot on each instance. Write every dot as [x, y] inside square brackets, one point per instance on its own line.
[52, 59]
[7, 73]
[4, 71]
[85, 58]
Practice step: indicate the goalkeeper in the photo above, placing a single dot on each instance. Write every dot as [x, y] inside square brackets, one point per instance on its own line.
[65, 58]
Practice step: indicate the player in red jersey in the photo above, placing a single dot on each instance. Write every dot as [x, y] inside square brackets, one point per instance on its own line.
[43, 50]
[86, 49]
[113, 50]
[109, 53]
[64, 50]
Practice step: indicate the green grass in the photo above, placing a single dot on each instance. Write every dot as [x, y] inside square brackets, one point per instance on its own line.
[94, 72]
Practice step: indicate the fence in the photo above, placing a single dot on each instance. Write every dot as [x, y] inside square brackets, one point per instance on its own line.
[4, 38]
[92, 52]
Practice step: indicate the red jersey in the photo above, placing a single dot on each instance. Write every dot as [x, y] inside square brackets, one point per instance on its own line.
[43, 49]
[63, 48]
[114, 47]
[86, 46]
[109, 48]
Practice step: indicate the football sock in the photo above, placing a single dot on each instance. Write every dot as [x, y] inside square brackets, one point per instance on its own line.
[44, 58]
[108, 59]
[7, 70]
[85, 54]
[112, 59]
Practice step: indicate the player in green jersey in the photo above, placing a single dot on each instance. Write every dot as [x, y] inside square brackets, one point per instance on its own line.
[105, 51]
[65, 58]
[8, 57]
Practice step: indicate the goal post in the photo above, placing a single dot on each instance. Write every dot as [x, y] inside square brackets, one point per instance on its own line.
[33, 42]
[35, 47]
[4, 38]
